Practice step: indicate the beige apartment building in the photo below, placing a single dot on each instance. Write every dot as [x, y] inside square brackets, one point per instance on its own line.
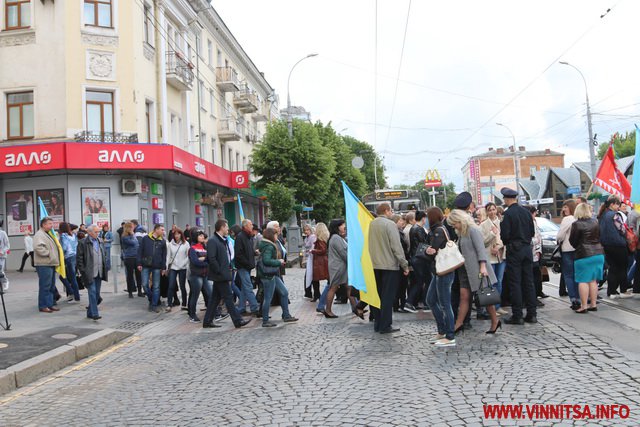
[149, 106]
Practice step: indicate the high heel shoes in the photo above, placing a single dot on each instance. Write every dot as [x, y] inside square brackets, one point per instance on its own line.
[458, 330]
[329, 316]
[498, 326]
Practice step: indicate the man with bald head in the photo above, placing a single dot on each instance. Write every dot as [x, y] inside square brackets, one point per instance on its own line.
[92, 265]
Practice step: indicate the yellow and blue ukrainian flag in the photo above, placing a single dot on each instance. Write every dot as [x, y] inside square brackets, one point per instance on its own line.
[240, 210]
[359, 266]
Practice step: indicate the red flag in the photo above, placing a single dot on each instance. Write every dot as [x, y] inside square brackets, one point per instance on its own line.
[611, 179]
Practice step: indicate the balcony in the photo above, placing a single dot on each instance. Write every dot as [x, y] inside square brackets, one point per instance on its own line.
[228, 130]
[111, 137]
[245, 100]
[259, 116]
[227, 79]
[179, 71]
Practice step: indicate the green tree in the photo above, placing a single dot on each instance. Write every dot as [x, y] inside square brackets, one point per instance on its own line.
[441, 202]
[302, 163]
[371, 158]
[333, 206]
[281, 201]
[623, 145]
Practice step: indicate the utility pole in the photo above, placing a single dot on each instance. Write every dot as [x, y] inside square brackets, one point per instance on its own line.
[516, 166]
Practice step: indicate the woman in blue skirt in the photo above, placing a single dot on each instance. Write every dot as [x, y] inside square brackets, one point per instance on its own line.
[589, 261]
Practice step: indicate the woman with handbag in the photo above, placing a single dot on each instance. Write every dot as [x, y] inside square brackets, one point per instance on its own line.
[439, 292]
[177, 263]
[269, 263]
[321, 268]
[474, 274]
[129, 252]
[490, 228]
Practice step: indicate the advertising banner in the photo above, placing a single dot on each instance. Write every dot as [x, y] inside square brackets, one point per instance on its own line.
[19, 212]
[96, 206]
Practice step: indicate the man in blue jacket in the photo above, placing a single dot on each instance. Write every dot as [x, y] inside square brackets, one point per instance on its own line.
[152, 260]
[220, 276]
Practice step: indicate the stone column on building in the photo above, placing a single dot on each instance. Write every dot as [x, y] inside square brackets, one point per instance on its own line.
[162, 80]
[186, 96]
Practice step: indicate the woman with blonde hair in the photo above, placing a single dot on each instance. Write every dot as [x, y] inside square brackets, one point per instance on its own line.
[490, 229]
[589, 263]
[475, 269]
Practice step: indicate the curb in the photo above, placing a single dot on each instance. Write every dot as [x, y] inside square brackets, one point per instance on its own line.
[47, 363]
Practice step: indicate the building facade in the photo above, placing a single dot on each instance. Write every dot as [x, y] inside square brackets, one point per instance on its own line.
[121, 109]
[485, 174]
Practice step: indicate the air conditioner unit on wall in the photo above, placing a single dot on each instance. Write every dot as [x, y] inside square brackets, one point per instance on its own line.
[131, 186]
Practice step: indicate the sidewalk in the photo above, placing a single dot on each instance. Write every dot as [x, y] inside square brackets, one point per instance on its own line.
[35, 339]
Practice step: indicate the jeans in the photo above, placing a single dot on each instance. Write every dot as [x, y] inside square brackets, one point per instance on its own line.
[439, 300]
[46, 285]
[71, 282]
[107, 256]
[275, 285]
[246, 293]
[93, 289]
[418, 279]
[155, 277]
[567, 271]
[174, 276]
[221, 291]
[386, 281]
[322, 301]
[196, 284]
[133, 275]
[498, 269]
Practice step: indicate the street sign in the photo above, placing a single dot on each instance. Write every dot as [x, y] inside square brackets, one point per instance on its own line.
[433, 179]
[307, 209]
[573, 190]
[536, 202]
[522, 198]
[433, 193]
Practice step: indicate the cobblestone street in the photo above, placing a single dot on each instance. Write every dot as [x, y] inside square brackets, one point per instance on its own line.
[333, 372]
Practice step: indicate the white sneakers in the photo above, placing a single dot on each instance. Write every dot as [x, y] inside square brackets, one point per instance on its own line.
[445, 343]
[436, 338]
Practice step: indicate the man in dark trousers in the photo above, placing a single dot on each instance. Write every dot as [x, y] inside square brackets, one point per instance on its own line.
[220, 276]
[387, 258]
[516, 231]
[92, 265]
[245, 261]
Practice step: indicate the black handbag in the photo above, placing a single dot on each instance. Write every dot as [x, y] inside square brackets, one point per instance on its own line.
[421, 251]
[487, 294]
[268, 270]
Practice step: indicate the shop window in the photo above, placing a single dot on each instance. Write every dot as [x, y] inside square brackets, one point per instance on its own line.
[17, 14]
[98, 13]
[20, 115]
[99, 111]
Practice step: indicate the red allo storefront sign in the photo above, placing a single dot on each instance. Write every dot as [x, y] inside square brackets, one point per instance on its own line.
[84, 156]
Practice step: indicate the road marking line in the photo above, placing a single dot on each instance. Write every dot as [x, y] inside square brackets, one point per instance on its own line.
[27, 389]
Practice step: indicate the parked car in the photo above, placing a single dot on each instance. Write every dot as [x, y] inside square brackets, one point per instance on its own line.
[549, 231]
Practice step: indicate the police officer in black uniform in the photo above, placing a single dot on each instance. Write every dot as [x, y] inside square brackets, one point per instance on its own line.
[516, 231]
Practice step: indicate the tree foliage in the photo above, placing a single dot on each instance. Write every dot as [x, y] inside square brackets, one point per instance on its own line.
[312, 164]
[281, 201]
[623, 145]
[441, 201]
[371, 158]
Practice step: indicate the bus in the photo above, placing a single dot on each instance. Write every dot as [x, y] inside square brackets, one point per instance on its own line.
[401, 201]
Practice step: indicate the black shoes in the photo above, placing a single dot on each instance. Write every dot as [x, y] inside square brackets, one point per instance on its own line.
[210, 325]
[242, 323]
[531, 319]
[289, 319]
[390, 331]
[539, 303]
[514, 321]
[493, 331]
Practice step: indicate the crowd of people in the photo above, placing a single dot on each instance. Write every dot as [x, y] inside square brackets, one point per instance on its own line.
[219, 267]
[498, 251]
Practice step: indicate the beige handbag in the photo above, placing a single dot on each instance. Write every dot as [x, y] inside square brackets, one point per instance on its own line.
[449, 258]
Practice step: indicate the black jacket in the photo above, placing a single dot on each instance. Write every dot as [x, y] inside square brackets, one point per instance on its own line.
[585, 237]
[244, 252]
[417, 235]
[84, 261]
[218, 256]
[516, 228]
[152, 253]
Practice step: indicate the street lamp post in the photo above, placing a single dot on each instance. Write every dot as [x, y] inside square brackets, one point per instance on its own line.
[515, 157]
[289, 118]
[592, 154]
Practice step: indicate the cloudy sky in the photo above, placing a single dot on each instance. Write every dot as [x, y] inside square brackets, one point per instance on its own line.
[465, 66]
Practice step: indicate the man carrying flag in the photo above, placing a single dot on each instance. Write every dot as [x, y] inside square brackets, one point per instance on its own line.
[387, 258]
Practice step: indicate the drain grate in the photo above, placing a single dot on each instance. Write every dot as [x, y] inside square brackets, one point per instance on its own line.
[132, 326]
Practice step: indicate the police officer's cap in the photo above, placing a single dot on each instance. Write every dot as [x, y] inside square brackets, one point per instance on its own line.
[509, 193]
[462, 200]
